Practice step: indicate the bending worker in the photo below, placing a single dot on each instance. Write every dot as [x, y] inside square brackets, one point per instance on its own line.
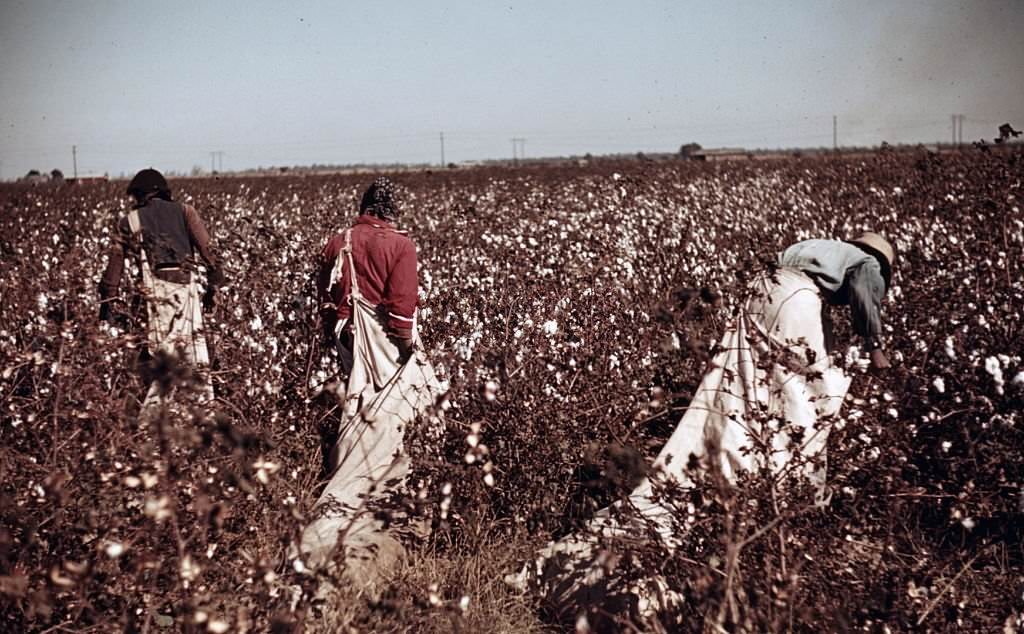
[856, 273]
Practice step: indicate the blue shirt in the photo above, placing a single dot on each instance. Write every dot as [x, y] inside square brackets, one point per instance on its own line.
[850, 275]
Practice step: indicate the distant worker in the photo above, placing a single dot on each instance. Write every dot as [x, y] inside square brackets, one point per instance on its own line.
[163, 236]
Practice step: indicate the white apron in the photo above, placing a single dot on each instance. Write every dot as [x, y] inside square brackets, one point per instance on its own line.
[174, 318]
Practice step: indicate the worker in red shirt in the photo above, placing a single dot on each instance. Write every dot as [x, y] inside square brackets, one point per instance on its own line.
[385, 272]
[367, 291]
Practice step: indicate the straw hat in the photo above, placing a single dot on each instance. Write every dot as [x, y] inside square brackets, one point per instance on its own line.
[879, 247]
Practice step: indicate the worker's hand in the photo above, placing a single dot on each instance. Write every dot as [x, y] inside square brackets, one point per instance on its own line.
[405, 347]
[879, 361]
[209, 301]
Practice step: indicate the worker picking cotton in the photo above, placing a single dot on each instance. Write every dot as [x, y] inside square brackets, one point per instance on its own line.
[163, 237]
[367, 287]
[385, 265]
[766, 404]
[856, 273]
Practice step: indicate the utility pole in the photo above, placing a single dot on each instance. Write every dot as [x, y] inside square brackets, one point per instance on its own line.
[518, 149]
[74, 160]
[958, 129]
[216, 161]
[442, 150]
[835, 134]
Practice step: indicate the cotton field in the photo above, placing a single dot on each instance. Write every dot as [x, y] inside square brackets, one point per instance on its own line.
[571, 312]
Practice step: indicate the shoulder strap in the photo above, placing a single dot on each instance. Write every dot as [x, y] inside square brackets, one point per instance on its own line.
[134, 222]
[347, 252]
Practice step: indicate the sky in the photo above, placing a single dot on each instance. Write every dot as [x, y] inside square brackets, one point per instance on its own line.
[270, 83]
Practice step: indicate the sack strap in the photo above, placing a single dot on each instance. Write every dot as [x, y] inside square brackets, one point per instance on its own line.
[135, 224]
[347, 251]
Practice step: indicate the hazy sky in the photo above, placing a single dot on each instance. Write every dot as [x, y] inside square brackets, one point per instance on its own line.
[141, 83]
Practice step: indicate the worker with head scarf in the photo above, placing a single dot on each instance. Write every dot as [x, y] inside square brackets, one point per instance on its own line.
[385, 270]
[367, 287]
[163, 237]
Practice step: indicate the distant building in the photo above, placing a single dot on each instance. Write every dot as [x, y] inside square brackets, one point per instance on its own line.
[85, 180]
[720, 154]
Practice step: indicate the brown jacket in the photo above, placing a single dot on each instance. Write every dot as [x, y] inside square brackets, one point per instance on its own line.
[171, 234]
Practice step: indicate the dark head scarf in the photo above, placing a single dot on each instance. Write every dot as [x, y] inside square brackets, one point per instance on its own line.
[381, 200]
[149, 183]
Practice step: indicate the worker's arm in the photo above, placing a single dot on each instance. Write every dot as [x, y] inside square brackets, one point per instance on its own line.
[110, 283]
[400, 297]
[866, 291]
[200, 239]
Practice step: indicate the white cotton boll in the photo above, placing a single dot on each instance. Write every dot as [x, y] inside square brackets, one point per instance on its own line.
[1019, 379]
[939, 385]
[256, 324]
[993, 367]
[490, 390]
[550, 327]
[216, 626]
[949, 349]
